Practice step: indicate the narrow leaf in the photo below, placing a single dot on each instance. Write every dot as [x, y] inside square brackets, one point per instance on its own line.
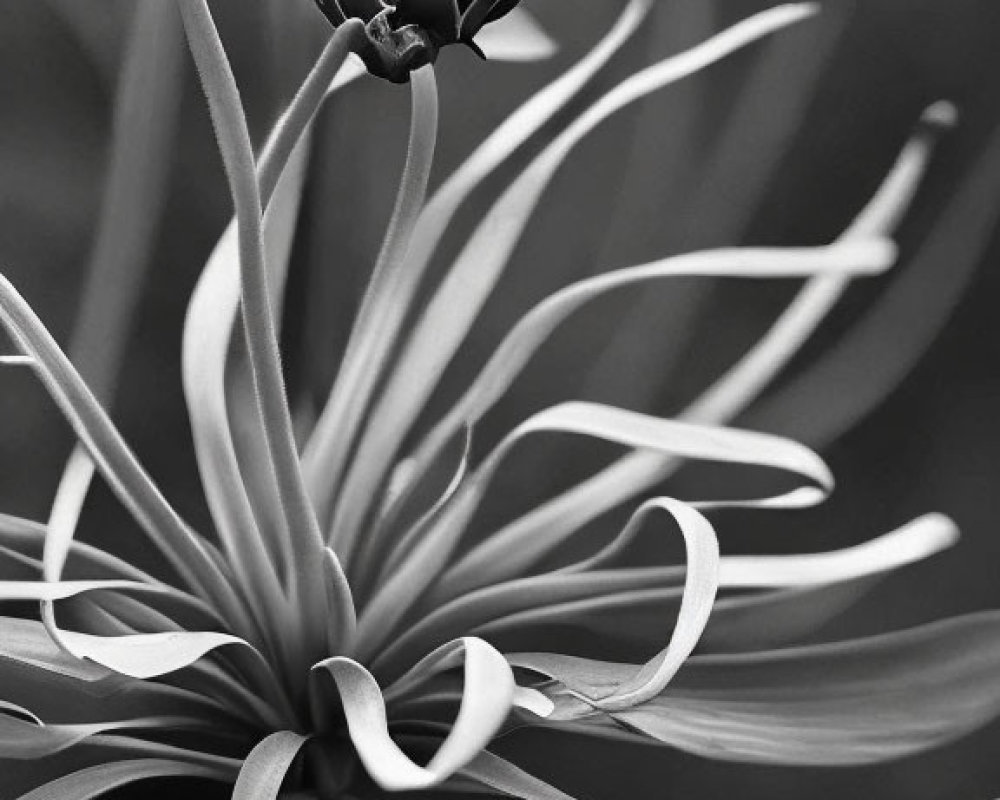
[103, 778]
[486, 701]
[454, 307]
[500, 775]
[847, 703]
[527, 336]
[265, 768]
[640, 471]
[507, 554]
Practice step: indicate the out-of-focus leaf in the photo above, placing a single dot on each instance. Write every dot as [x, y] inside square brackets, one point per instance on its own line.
[96, 33]
[146, 106]
[733, 178]
[884, 346]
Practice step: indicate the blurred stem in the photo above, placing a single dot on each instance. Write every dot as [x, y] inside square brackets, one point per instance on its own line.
[734, 178]
[145, 121]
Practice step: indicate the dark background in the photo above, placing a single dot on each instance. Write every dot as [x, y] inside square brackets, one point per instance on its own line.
[779, 145]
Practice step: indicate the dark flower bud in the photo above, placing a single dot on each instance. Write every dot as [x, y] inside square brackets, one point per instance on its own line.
[407, 35]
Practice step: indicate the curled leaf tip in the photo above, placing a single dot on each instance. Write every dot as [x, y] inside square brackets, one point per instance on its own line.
[940, 116]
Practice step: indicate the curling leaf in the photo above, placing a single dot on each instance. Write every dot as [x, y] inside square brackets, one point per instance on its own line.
[264, 769]
[487, 698]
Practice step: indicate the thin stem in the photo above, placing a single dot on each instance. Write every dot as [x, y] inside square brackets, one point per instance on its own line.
[368, 346]
[188, 554]
[306, 541]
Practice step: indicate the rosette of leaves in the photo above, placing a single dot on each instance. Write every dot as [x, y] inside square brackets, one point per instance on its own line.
[340, 635]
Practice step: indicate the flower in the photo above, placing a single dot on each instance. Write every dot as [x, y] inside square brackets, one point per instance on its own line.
[407, 35]
[340, 623]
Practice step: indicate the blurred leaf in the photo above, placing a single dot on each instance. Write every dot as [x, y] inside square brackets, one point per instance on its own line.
[883, 347]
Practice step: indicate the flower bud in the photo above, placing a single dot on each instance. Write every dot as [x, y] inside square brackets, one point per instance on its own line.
[408, 34]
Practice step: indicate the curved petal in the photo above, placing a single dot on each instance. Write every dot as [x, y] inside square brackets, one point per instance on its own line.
[148, 655]
[265, 767]
[700, 587]
[505, 555]
[625, 685]
[500, 557]
[487, 698]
